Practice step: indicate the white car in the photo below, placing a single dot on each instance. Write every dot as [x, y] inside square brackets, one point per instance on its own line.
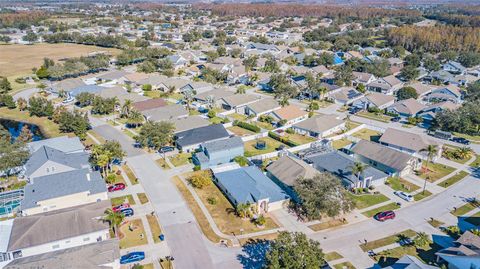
[405, 196]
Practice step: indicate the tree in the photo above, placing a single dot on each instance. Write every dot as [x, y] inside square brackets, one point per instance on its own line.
[407, 93]
[313, 106]
[22, 104]
[5, 86]
[431, 151]
[200, 179]
[42, 72]
[76, 122]
[282, 88]
[421, 240]
[357, 169]
[322, 195]
[243, 210]
[114, 219]
[156, 134]
[250, 63]
[344, 76]
[409, 72]
[126, 108]
[431, 64]
[241, 160]
[222, 51]
[294, 251]
[103, 155]
[464, 153]
[40, 107]
[135, 118]
[469, 58]
[30, 37]
[84, 99]
[12, 153]
[7, 100]
[146, 87]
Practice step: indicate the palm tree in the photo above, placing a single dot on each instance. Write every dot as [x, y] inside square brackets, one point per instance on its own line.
[464, 153]
[242, 209]
[321, 92]
[431, 151]
[188, 98]
[135, 118]
[126, 108]
[357, 169]
[113, 218]
[421, 240]
[22, 104]
[210, 101]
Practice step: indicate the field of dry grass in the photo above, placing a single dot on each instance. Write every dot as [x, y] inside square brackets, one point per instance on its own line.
[19, 59]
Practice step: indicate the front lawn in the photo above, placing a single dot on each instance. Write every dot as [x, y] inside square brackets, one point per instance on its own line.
[216, 120]
[122, 199]
[400, 184]
[236, 116]
[300, 139]
[374, 116]
[435, 171]
[421, 195]
[344, 265]
[371, 213]
[180, 159]
[387, 240]
[163, 164]
[132, 234]
[367, 134]
[331, 256]
[142, 197]
[465, 208]
[366, 200]
[326, 225]
[239, 131]
[155, 227]
[453, 179]
[264, 125]
[271, 146]
[340, 143]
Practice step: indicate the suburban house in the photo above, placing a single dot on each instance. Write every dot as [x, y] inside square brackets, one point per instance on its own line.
[410, 262]
[388, 160]
[66, 85]
[290, 114]
[446, 93]
[453, 67]
[408, 142]
[362, 78]
[464, 254]
[238, 102]
[374, 100]
[387, 85]
[64, 144]
[177, 60]
[98, 255]
[340, 164]
[319, 126]
[148, 104]
[406, 108]
[114, 76]
[191, 139]
[61, 229]
[63, 190]
[190, 122]
[344, 95]
[48, 161]
[429, 113]
[166, 113]
[262, 107]
[218, 152]
[421, 89]
[259, 48]
[287, 170]
[248, 185]
[213, 97]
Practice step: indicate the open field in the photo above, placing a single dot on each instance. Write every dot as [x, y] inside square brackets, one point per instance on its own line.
[20, 59]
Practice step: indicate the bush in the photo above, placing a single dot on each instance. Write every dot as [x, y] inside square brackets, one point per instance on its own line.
[284, 140]
[248, 126]
[200, 180]
[241, 160]
[111, 178]
[260, 221]
[212, 114]
[290, 131]
[212, 200]
[197, 168]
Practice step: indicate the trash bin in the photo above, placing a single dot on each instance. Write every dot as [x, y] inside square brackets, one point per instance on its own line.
[162, 237]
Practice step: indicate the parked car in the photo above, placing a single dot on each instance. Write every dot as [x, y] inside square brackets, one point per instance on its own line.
[461, 140]
[354, 110]
[132, 257]
[406, 242]
[116, 187]
[385, 215]
[127, 212]
[395, 119]
[405, 196]
[120, 207]
[166, 149]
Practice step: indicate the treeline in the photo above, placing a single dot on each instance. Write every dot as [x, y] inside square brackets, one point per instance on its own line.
[130, 56]
[290, 10]
[73, 67]
[457, 19]
[101, 40]
[435, 39]
[21, 20]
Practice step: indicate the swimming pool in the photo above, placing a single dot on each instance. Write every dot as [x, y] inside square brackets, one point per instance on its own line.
[10, 201]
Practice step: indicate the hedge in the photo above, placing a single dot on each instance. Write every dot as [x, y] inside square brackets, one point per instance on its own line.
[282, 139]
[247, 126]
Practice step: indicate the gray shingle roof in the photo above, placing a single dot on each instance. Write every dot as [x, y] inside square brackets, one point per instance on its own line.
[264, 105]
[320, 124]
[289, 168]
[201, 135]
[63, 143]
[219, 145]
[382, 154]
[170, 112]
[45, 153]
[61, 184]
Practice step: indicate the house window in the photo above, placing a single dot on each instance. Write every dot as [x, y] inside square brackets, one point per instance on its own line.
[48, 170]
[17, 254]
[57, 246]
[86, 239]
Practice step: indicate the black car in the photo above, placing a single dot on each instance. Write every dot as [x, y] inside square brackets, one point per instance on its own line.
[166, 149]
[395, 119]
[461, 140]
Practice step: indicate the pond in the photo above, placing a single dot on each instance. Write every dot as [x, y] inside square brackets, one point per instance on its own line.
[15, 128]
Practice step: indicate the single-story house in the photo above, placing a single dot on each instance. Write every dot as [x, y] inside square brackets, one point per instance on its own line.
[406, 108]
[291, 114]
[362, 78]
[191, 139]
[408, 142]
[67, 85]
[446, 93]
[248, 185]
[387, 85]
[170, 112]
[429, 113]
[454, 67]
[149, 104]
[421, 89]
[64, 144]
[375, 100]
[218, 152]
[410, 262]
[262, 107]
[319, 126]
[388, 160]
[190, 122]
[344, 95]
[214, 96]
[238, 102]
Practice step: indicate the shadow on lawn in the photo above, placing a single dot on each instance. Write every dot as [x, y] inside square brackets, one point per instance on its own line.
[254, 252]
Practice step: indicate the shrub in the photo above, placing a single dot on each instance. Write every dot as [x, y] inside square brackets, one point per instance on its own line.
[290, 131]
[248, 126]
[212, 114]
[260, 221]
[197, 168]
[241, 160]
[284, 140]
[200, 180]
[111, 178]
[212, 200]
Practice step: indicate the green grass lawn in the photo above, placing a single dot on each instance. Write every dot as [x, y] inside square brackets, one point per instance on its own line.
[453, 179]
[155, 227]
[326, 225]
[367, 200]
[389, 257]
[435, 171]
[344, 265]
[465, 208]
[240, 131]
[421, 195]
[400, 184]
[271, 145]
[216, 120]
[474, 219]
[331, 256]
[264, 125]
[435, 223]
[338, 144]
[374, 116]
[162, 163]
[123, 199]
[387, 240]
[476, 163]
[180, 159]
[130, 175]
[236, 116]
[300, 139]
[352, 124]
[367, 134]
[371, 213]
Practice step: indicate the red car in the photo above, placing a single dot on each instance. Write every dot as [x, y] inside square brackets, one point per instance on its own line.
[385, 215]
[120, 207]
[116, 187]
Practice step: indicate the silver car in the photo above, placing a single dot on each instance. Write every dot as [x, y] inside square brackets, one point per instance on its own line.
[405, 196]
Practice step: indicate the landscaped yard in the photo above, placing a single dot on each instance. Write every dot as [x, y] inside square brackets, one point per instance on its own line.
[331, 256]
[240, 131]
[435, 171]
[340, 143]
[371, 213]
[142, 197]
[326, 225]
[400, 184]
[132, 234]
[453, 179]
[271, 145]
[300, 139]
[130, 175]
[180, 159]
[344, 265]
[387, 240]
[155, 227]
[465, 208]
[421, 195]
[162, 163]
[367, 134]
[122, 199]
[215, 120]
[476, 163]
[389, 257]
[224, 215]
[367, 200]
[236, 116]
[264, 125]
[374, 116]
